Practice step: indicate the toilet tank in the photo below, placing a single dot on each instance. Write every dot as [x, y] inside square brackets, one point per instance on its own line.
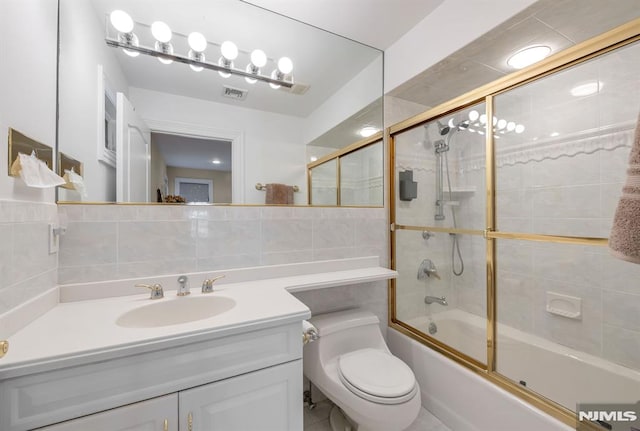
[345, 331]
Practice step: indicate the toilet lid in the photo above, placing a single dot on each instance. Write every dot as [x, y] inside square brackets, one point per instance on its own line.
[377, 376]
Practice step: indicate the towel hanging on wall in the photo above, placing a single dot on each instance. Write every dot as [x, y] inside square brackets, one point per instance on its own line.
[624, 240]
[34, 172]
[279, 194]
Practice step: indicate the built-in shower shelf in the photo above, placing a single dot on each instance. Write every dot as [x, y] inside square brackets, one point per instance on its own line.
[458, 194]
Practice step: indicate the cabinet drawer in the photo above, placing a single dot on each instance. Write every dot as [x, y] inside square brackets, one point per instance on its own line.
[41, 399]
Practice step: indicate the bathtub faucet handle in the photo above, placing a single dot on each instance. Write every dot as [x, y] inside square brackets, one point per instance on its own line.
[427, 269]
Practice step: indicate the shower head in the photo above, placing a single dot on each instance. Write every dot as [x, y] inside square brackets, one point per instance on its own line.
[443, 129]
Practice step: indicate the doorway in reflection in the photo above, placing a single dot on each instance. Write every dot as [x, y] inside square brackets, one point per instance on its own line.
[190, 169]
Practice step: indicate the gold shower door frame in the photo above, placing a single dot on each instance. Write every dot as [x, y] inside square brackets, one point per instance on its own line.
[597, 46]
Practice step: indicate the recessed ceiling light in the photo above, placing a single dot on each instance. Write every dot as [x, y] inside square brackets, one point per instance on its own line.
[586, 88]
[313, 158]
[528, 56]
[365, 132]
[216, 161]
[554, 134]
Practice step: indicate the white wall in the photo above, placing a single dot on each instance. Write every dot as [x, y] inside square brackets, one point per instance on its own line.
[273, 147]
[448, 28]
[82, 49]
[28, 36]
[363, 89]
[28, 56]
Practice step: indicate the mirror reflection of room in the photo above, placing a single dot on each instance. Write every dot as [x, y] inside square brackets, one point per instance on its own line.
[268, 96]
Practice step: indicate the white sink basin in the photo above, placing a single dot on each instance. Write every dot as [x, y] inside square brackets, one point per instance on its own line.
[175, 311]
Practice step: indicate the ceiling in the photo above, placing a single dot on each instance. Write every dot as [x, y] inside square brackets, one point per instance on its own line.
[377, 23]
[193, 153]
[556, 23]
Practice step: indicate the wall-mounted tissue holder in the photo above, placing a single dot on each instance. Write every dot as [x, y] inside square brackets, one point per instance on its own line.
[408, 187]
[19, 143]
[67, 163]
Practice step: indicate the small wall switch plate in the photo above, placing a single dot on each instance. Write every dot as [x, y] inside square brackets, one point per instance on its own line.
[53, 240]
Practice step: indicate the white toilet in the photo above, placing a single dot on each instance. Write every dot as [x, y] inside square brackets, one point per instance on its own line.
[352, 365]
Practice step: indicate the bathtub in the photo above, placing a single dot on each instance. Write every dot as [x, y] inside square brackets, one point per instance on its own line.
[559, 373]
[465, 401]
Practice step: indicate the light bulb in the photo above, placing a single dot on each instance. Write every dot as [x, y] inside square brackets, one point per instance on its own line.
[258, 58]
[129, 39]
[197, 56]
[250, 69]
[473, 115]
[483, 118]
[197, 41]
[165, 48]
[222, 62]
[511, 126]
[275, 75]
[519, 128]
[451, 123]
[285, 65]
[502, 123]
[495, 120]
[161, 32]
[229, 50]
[121, 21]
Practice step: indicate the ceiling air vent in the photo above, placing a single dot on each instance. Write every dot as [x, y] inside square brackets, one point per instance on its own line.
[297, 88]
[234, 93]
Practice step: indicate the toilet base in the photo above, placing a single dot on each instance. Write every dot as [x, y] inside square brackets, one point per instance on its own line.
[339, 421]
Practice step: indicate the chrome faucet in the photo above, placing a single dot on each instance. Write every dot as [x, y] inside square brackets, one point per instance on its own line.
[183, 285]
[431, 299]
[427, 269]
[207, 285]
[156, 290]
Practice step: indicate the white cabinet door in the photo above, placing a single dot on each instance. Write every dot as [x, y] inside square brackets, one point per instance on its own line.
[265, 400]
[147, 415]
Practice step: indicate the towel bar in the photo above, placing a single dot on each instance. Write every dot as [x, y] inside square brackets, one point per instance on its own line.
[260, 186]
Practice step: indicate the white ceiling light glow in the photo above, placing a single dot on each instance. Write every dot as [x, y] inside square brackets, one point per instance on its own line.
[586, 89]
[528, 56]
[278, 74]
[367, 131]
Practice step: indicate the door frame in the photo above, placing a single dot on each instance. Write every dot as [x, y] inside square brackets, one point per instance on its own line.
[202, 131]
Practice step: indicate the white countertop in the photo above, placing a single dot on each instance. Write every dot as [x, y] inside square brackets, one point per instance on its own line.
[79, 332]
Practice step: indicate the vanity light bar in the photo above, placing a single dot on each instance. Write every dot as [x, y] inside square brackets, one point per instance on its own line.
[204, 64]
[163, 51]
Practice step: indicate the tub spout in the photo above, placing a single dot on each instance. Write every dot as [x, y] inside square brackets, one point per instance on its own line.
[431, 299]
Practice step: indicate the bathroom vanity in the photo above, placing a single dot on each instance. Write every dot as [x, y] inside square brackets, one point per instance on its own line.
[87, 362]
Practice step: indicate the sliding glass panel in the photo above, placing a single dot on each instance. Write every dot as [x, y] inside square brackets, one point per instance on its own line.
[324, 189]
[361, 176]
[440, 174]
[562, 145]
[568, 322]
[441, 288]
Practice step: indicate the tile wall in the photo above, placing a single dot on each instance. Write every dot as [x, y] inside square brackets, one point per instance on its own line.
[26, 267]
[107, 241]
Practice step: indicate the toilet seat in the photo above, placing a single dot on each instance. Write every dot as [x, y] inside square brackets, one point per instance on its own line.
[377, 376]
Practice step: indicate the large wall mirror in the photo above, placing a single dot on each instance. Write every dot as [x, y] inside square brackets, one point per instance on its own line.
[147, 131]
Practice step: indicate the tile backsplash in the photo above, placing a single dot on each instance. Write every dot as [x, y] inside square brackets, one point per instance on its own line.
[26, 267]
[121, 241]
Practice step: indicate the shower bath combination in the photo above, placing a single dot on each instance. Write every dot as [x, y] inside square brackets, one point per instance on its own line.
[441, 149]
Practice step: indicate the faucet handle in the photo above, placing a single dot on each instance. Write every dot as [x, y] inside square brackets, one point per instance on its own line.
[156, 290]
[427, 268]
[207, 285]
